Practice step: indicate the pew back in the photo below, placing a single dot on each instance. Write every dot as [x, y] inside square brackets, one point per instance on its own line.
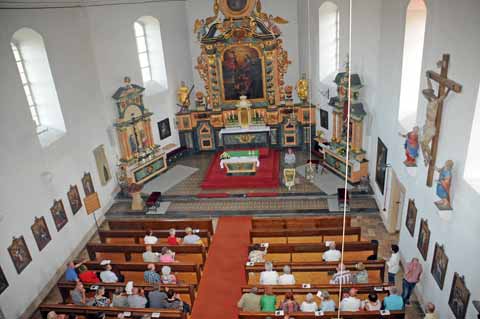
[307, 235]
[134, 236]
[299, 223]
[327, 315]
[160, 224]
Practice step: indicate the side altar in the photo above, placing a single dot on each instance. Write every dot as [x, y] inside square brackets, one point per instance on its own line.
[242, 55]
[140, 158]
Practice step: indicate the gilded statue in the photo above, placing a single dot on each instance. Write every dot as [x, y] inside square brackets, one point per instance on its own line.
[183, 96]
[302, 88]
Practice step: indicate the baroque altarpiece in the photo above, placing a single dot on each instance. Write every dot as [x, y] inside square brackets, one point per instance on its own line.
[242, 55]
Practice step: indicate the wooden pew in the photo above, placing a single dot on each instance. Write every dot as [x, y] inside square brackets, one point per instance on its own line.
[300, 293]
[327, 315]
[298, 252]
[185, 253]
[307, 235]
[187, 272]
[300, 222]
[111, 312]
[186, 291]
[135, 236]
[317, 272]
[160, 224]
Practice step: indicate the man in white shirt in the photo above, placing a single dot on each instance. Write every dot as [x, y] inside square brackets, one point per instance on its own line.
[351, 302]
[393, 264]
[287, 278]
[269, 276]
[108, 275]
[332, 254]
[149, 256]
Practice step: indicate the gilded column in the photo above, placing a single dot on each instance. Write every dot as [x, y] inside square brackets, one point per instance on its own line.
[334, 129]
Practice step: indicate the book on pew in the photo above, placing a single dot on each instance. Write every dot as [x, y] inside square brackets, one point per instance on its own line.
[279, 313]
[250, 263]
[306, 286]
[264, 245]
[156, 315]
[319, 313]
[385, 312]
[127, 314]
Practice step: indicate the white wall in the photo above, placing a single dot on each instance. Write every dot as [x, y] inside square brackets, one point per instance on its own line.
[90, 50]
[199, 9]
[444, 34]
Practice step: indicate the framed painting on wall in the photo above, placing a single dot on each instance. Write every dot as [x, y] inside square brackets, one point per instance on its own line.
[58, 214]
[3, 281]
[423, 238]
[164, 128]
[87, 184]
[40, 232]
[381, 167]
[411, 219]
[103, 167]
[19, 253]
[324, 119]
[439, 265]
[74, 199]
[459, 297]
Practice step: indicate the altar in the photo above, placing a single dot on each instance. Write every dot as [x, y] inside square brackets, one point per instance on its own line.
[240, 162]
[253, 136]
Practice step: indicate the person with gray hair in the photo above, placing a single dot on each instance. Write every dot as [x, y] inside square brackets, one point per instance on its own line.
[250, 301]
[393, 301]
[269, 276]
[287, 278]
[328, 304]
[332, 254]
[167, 276]
[309, 305]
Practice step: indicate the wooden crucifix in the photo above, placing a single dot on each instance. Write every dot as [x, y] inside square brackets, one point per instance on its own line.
[431, 129]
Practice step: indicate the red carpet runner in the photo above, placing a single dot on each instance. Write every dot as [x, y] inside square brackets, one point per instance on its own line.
[224, 270]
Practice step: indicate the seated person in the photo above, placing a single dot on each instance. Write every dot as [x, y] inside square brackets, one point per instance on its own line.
[87, 276]
[361, 276]
[257, 255]
[137, 298]
[328, 304]
[289, 158]
[191, 238]
[289, 304]
[309, 305]
[78, 295]
[71, 272]
[342, 275]
[108, 276]
[167, 277]
[250, 301]
[167, 255]
[172, 240]
[119, 298]
[393, 301]
[372, 303]
[53, 315]
[172, 301]
[156, 297]
[351, 302]
[149, 256]
[332, 254]
[269, 276]
[150, 275]
[268, 301]
[287, 278]
[149, 239]
[100, 300]
[430, 311]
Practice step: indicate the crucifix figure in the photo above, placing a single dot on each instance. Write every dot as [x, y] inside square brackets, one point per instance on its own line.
[431, 128]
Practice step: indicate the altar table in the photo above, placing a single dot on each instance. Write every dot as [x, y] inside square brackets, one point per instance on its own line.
[241, 162]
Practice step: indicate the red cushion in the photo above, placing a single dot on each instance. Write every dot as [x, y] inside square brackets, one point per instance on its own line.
[263, 152]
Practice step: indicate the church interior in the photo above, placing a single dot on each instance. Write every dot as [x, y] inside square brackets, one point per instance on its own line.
[246, 159]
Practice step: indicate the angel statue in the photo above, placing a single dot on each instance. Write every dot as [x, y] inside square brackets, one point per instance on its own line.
[183, 96]
[271, 23]
[443, 185]
[429, 129]
[200, 28]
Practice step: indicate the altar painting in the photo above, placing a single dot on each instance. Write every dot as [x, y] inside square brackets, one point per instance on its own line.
[242, 73]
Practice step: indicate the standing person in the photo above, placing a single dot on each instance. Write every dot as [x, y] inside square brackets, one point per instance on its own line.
[250, 301]
[413, 271]
[393, 264]
[268, 301]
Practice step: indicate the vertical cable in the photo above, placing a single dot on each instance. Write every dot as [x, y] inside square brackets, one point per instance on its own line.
[347, 155]
[310, 86]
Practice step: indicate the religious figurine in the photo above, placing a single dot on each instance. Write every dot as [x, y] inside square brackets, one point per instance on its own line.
[429, 129]
[443, 185]
[199, 100]
[200, 28]
[290, 158]
[411, 147]
[271, 23]
[183, 96]
[302, 88]
[288, 95]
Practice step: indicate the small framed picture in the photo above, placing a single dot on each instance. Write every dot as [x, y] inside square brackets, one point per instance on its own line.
[40, 232]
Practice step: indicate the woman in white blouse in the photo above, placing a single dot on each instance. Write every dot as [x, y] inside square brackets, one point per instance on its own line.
[287, 278]
[149, 239]
[269, 276]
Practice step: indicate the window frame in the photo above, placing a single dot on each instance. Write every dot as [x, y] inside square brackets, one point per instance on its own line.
[146, 52]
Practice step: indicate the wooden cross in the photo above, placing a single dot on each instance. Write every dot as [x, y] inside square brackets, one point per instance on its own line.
[444, 84]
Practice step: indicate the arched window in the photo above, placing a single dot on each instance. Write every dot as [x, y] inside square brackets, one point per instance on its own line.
[329, 39]
[36, 77]
[150, 51]
[472, 169]
[412, 62]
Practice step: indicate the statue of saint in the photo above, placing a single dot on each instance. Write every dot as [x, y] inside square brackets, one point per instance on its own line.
[302, 88]
[443, 185]
[183, 96]
[429, 129]
[411, 147]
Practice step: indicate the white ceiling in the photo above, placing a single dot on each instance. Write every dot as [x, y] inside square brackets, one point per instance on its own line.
[38, 4]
